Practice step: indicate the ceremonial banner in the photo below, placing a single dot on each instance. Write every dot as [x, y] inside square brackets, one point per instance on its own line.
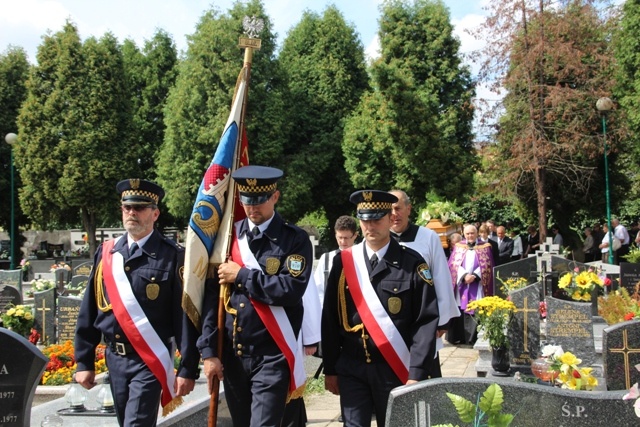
[215, 198]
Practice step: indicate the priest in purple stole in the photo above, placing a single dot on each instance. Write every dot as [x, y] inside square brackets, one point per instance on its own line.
[471, 266]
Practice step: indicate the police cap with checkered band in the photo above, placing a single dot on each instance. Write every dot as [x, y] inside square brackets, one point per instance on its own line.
[256, 183]
[136, 191]
[372, 204]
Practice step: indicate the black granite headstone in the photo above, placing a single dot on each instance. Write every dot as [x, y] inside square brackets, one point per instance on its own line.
[68, 310]
[21, 366]
[621, 354]
[524, 329]
[83, 269]
[427, 404]
[12, 277]
[45, 307]
[629, 276]
[570, 325]
[522, 268]
[9, 295]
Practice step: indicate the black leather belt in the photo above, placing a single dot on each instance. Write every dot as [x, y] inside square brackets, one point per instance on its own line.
[121, 348]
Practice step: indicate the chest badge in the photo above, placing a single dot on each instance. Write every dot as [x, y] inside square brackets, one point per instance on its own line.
[395, 305]
[273, 264]
[153, 290]
[295, 264]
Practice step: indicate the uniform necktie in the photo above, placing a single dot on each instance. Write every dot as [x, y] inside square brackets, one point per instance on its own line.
[254, 233]
[133, 248]
[374, 261]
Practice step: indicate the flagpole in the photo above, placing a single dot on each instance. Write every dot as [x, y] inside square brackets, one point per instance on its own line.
[252, 28]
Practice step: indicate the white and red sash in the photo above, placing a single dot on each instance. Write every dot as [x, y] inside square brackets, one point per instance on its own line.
[274, 318]
[134, 322]
[373, 314]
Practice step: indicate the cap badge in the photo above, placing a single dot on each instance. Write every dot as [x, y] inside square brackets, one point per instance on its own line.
[252, 182]
[367, 196]
[135, 183]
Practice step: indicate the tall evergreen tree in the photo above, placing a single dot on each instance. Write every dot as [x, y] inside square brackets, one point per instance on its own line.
[326, 72]
[14, 69]
[74, 130]
[413, 131]
[199, 103]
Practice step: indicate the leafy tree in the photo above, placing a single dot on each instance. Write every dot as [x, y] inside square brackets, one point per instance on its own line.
[74, 131]
[14, 69]
[413, 130]
[554, 62]
[627, 93]
[326, 72]
[199, 103]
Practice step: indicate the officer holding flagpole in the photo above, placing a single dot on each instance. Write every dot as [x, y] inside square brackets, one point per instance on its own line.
[266, 278]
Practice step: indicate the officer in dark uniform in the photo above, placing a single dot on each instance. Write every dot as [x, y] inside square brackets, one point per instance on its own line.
[270, 266]
[360, 360]
[145, 280]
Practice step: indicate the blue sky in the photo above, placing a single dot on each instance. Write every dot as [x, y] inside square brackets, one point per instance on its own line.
[22, 23]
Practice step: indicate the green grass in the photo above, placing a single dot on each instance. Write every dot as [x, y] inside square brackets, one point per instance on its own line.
[315, 386]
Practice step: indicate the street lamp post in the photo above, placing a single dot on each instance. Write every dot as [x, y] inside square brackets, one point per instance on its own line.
[604, 105]
[11, 138]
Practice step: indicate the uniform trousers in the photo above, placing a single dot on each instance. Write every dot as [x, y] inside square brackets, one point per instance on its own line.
[364, 389]
[257, 382]
[136, 391]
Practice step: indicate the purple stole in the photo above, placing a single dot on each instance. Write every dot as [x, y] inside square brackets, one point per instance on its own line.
[483, 259]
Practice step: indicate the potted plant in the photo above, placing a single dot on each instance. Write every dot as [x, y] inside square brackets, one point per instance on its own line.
[581, 285]
[441, 217]
[19, 319]
[493, 315]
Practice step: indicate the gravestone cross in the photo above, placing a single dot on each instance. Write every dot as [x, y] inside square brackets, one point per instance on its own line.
[102, 236]
[621, 353]
[44, 302]
[44, 310]
[524, 329]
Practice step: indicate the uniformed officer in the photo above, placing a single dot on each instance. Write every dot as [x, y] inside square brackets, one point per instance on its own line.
[133, 300]
[380, 316]
[266, 278]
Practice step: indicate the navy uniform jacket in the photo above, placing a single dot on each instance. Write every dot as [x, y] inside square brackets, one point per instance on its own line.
[417, 320]
[278, 288]
[158, 261]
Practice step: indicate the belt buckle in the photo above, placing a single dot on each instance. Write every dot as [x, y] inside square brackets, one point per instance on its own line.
[120, 349]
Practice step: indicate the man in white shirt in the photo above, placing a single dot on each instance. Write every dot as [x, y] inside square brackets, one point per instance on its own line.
[427, 243]
[346, 231]
[620, 231]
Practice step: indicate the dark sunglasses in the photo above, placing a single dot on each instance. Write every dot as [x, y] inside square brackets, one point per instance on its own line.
[137, 208]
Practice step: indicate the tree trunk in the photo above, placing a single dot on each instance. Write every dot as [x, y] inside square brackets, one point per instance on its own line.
[89, 225]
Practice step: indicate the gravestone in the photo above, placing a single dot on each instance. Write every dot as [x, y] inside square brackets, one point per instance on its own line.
[62, 277]
[83, 269]
[68, 309]
[526, 268]
[563, 266]
[621, 353]
[426, 404]
[45, 308]
[570, 325]
[8, 295]
[21, 366]
[629, 276]
[75, 282]
[12, 278]
[524, 329]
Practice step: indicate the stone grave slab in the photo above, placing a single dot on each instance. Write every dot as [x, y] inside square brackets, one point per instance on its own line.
[9, 295]
[533, 405]
[621, 353]
[68, 310]
[45, 315]
[12, 277]
[62, 278]
[526, 268]
[82, 269]
[570, 325]
[629, 276]
[524, 329]
[21, 366]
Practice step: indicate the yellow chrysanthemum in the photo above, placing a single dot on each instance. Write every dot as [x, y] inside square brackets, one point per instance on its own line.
[11, 312]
